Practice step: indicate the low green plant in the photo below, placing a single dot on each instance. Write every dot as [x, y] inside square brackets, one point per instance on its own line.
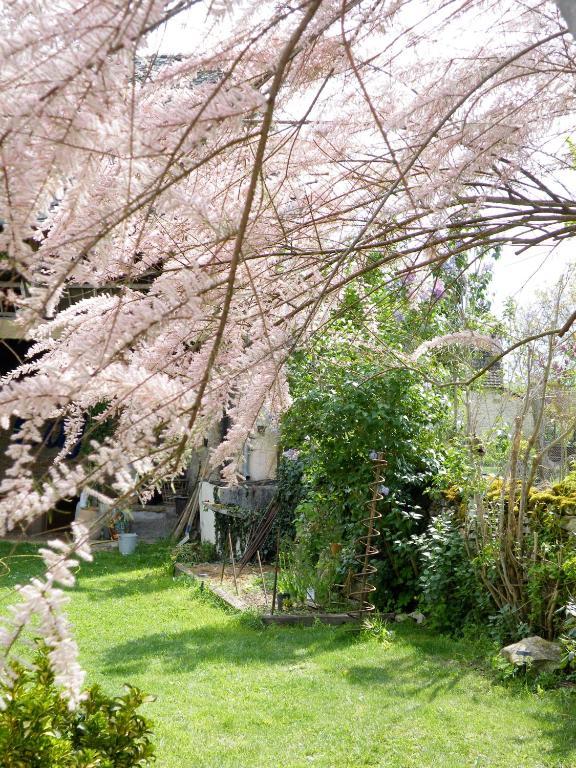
[538, 679]
[295, 575]
[193, 552]
[568, 641]
[375, 628]
[545, 681]
[506, 626]
[528, 675]
[251, 618]
[255, 583]
[38, 730]
[300, 578]
[503, 669]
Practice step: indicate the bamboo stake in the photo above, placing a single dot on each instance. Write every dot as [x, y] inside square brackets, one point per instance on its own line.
[232, 559]
[262, 575]
[186, 516]
[275, 572]
[193, 505]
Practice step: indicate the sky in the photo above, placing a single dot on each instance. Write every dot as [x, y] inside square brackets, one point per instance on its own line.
[521, 276]
[516, 276]
[184, 33]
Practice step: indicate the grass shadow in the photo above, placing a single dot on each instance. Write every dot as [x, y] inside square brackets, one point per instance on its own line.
[556, 720]
[229, 644]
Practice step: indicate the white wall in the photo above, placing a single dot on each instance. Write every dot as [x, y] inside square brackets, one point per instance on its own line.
[207, 522]
[261, 453]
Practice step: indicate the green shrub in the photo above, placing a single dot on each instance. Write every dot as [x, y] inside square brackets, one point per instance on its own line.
[376, 629]
[37, 730]
[543, 559]
[451, 592]
[336, 421]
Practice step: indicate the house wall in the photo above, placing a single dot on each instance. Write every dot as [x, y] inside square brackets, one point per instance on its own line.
[260, 456]
[494, 409]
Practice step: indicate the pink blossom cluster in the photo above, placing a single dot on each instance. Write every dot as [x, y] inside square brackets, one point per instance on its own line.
[43, 600]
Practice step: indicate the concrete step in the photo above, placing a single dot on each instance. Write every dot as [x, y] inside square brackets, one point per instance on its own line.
[152, 526]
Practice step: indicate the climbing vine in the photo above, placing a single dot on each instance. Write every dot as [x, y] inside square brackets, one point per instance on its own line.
[240, 522]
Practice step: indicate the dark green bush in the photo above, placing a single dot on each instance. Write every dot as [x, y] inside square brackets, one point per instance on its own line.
[37, 730]
[452, 595]
[291, 491]
[336, 421]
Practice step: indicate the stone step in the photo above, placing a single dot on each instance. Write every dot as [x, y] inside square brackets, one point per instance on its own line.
[152, 526]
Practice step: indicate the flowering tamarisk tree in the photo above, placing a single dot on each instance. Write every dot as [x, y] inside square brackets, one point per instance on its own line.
[301, 145]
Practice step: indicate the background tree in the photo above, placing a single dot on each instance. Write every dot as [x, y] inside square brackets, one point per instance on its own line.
[338, 424]
[353, 394]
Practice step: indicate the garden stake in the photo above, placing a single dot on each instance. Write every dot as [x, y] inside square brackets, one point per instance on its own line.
[223, 567]
[262, 575]
[232, 559]
[276, 571]
[260, 534]
[192, 509]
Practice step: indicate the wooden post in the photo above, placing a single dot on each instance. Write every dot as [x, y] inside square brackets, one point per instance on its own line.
[232, 559]
[275, 572]
[222, 572]
[262, 576]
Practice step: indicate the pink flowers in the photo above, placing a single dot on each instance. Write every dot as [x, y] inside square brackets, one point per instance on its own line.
[42, 599]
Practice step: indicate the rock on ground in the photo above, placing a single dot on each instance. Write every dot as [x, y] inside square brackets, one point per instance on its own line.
[534, 650]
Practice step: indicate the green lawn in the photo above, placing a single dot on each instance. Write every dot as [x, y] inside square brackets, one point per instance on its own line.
[232, 695]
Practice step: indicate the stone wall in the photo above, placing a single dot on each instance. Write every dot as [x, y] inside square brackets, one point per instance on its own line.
[254, 495]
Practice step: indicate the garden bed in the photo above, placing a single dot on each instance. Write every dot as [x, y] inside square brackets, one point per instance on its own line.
[250, 594]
